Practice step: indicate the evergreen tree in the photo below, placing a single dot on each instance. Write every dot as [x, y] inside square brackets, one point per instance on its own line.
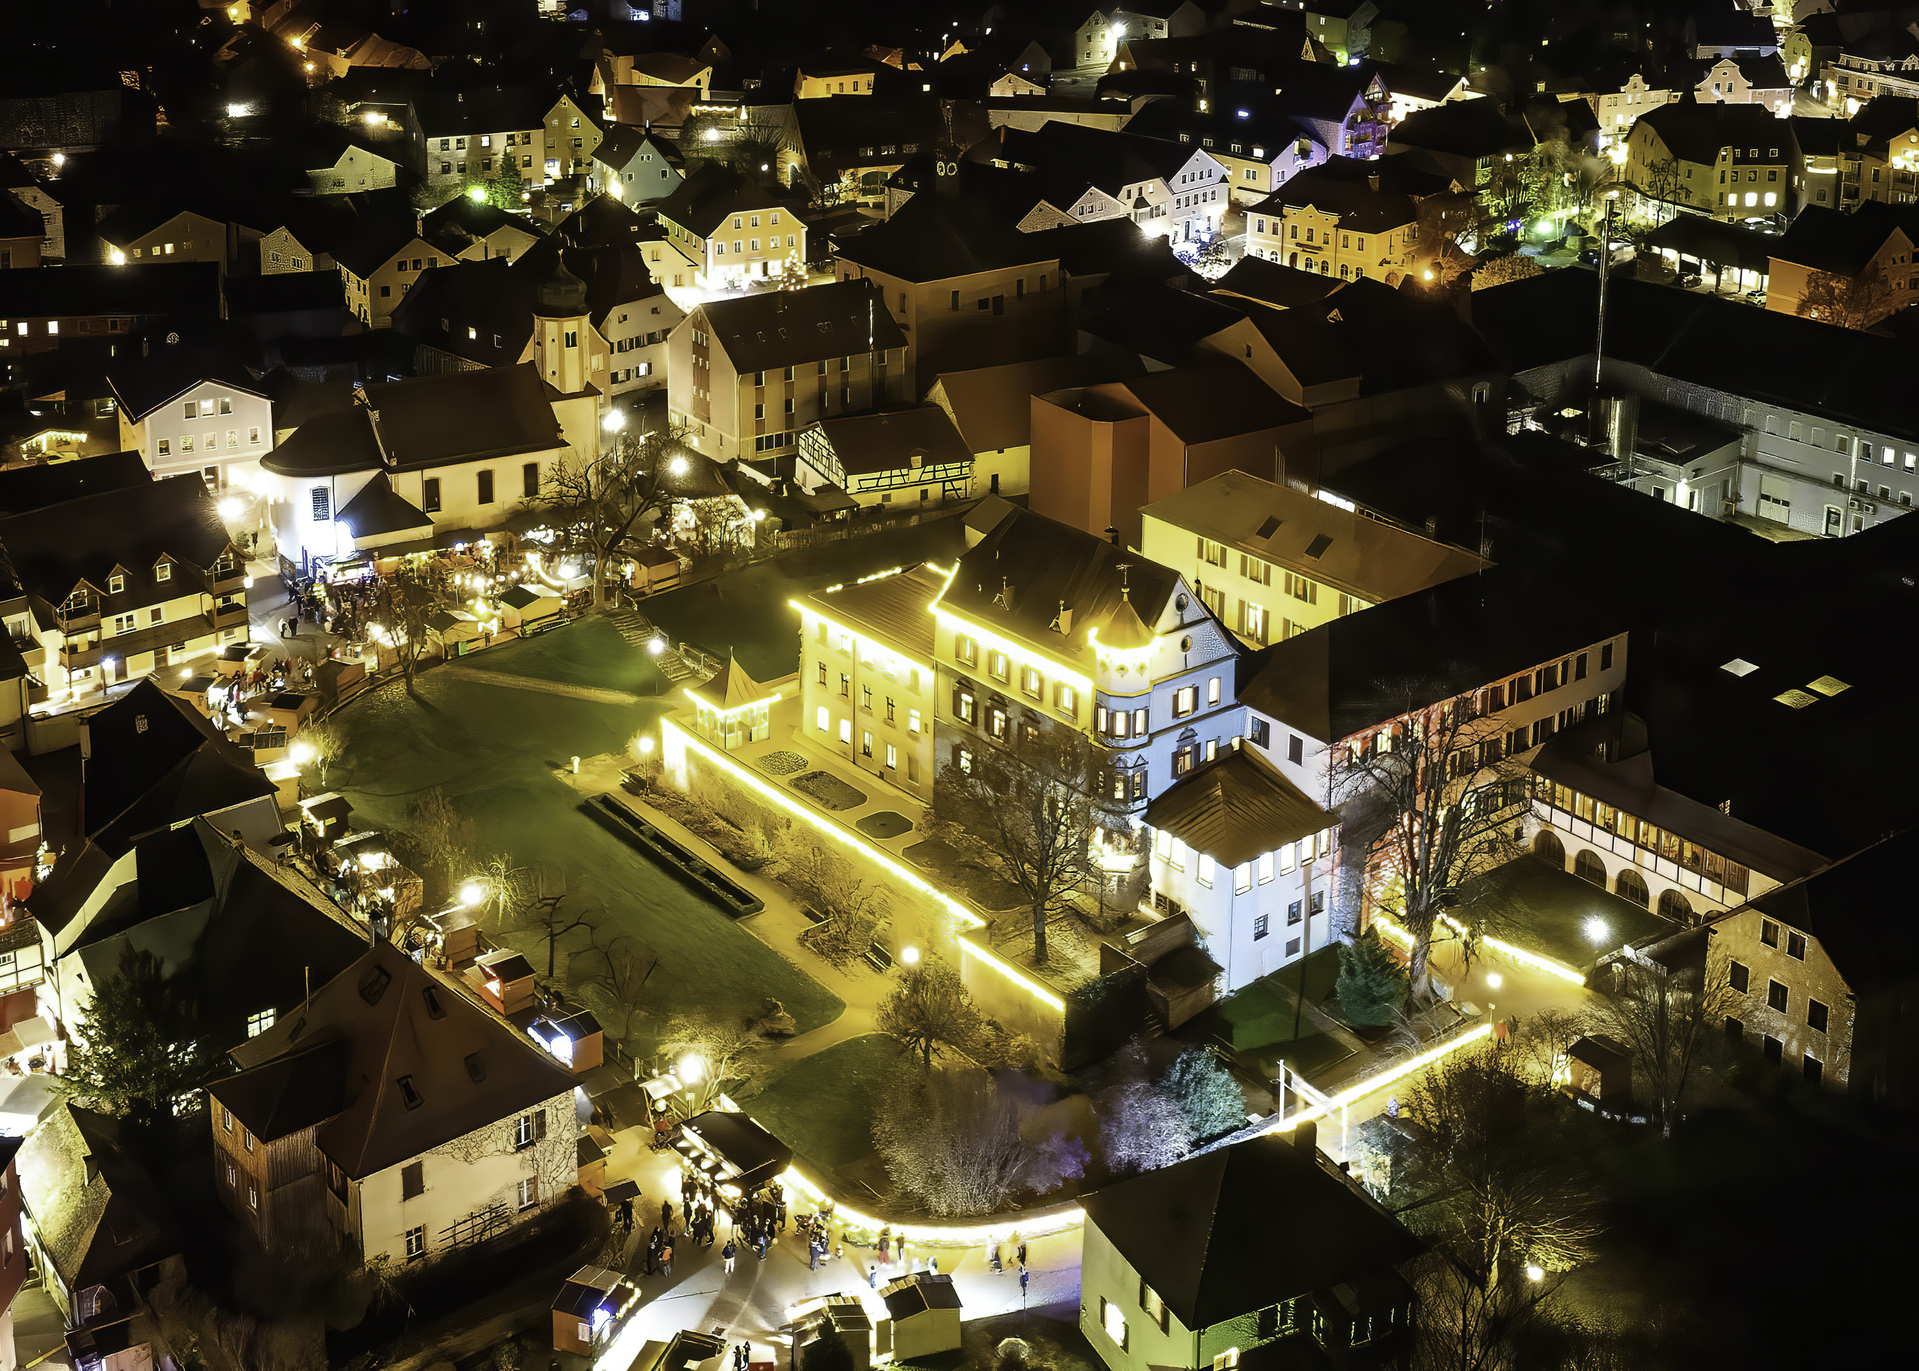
[1206, 1093]
[142, 1051]
[1371, 985]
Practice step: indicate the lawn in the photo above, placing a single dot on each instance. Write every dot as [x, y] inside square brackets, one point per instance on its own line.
[1259, 1020]
[823, 1106]
[494, 749]
[1530, 905]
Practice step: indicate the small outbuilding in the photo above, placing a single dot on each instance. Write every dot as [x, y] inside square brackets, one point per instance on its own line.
[589, 1302]
[923, 1316]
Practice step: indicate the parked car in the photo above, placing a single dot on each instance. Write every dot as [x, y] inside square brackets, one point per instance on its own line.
[1688, 281]
[1757, 297]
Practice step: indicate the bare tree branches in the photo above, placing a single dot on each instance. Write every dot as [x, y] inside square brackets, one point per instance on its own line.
[1034, 809]
[625, 966]
[600, 502]
[953, 1137]
[1438, 790]
[442, 835]
[1663, 1018]
[930, 1010]
[1855, 302]
[708, 1055]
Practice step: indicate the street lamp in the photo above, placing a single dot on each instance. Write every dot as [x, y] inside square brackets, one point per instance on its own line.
[471, 893]
[1535, 1273]
[910, 956]
[1494, 980]
[691, 1068]
[1597, 931]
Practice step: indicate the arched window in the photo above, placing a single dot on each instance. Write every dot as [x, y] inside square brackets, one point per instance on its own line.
[1674, 906]
[1550, 850]
[1632, 886]
[1588, 867]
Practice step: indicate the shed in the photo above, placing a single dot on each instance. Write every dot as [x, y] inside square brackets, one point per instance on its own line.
[505, 981]
[748, 1155]
[687, 1351]
[526, 606]
[923, 1310]
[324, 817]
[573, 1037]
[653, 568]
[590, 1299]
[843, 1313]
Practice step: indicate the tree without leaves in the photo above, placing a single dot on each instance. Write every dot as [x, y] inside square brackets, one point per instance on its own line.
[1141, 1125]
[1499, 1192]
[952, 1137]
[1664, 1019]
[1035, 813]
[625, 965]
[143, 1052]
[1371, 984]
[401, 609]
[1436, 787]
[1440, 220]
[1855, 302]
[1544, 1037]
[928, 1010]
[548, 917]
[442, 836]
[599, 502]
[325, 741]
[728, 1053]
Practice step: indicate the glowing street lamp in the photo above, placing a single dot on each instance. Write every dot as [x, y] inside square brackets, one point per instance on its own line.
[1535, 1273]
[1597, 931]
[909, 956]
[691, 1069]
[471, 894]
[302, 754]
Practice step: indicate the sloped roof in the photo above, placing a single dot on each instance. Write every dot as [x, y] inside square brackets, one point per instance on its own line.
[187, 289]
[935, 237]
[704, 200]
[1343, 548]
[1237, 1229]
[731, 688]
[919, 1292]
[1694, 132]
[133, 526]
[993, 405]
[1466, 128]
[393, 1021]
[1213, 399]
[1236, 807]
[897, 608]
[887, 441]
[425, 422]
[97, 1211]
[377, 510]
[1850, 908]
[790, 327]
[1832, 241]
[1346, 186]
[1272, 283]
[25, 489]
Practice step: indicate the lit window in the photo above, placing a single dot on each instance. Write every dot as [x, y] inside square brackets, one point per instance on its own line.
[259, 1023]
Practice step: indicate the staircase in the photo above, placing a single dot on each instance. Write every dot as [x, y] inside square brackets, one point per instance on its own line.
[638, 630]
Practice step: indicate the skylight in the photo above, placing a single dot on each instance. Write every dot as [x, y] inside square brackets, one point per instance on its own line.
[1829, 686]
[1798, 699]
[1739, 666]
[1317, 548]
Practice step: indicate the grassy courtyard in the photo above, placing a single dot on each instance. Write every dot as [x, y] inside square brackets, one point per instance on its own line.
[1262, 1021]
[823, 1105]
[494, 749]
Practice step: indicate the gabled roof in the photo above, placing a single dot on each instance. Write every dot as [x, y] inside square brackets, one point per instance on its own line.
[1370, 196]
[1236, 807]
[1234, 1230]
[896, 607]
[1466, 128]
[919, 1292]
[1213, 399]
[1832, 241]
[936, 237]
[704, 200]
[25, 489]
[423, 1065]
[1112, 161]
[790, 327]
[143, 384]
[993, 405]
[134, 526]
[1694, 132]
[887, 441]
[731, 688]
[96, 1210]
[1271, 283]
[1851, 909]
[428, 421]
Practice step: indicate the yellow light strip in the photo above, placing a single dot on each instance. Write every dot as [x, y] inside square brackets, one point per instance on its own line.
[854, 632]
[1067, 1219]
[728, 713]
[1007, 970]
[1373, 1084]
[1022, 653]
[685, 739]
[1500, 945]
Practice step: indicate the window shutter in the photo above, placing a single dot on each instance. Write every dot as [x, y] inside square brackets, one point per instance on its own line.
[1202, 549]
[1242, 616]
[539, 1123]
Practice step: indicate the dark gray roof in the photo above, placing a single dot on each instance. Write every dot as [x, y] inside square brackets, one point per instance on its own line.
[935, 237]
[1231, 1231]
[790, 327]
[919, 1292]
[1694, 133]
[25, 489]
[703, 201]
[428, 421]
[1833, 241]
[1214, 399]
[1851, 910]
[888, 441]
[377, 510]
[1370, 196]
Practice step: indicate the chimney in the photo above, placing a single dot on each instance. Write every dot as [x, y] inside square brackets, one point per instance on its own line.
[1373, 181]
[1112, 535]
[1306, 1137]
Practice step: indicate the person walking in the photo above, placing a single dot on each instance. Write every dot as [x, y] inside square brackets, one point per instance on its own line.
[872, 1275]
[933, 1264]
[729, 1252]
[626, 1215]
[1022, 1254]
[666, 1257]
[812, 1255]
[743, 1356]
[1022, 1285]
[666, 1213]
[999, 1268]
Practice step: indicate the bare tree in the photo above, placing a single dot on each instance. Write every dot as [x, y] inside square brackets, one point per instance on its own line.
[1664, 1017]
[442, 836]
[1440, 220]
[1503, 1206]
[1498, 271]
[1544, 1038]
[601, 502]
[323, 742]
[401, 611]
[953, 1138]
[1141, 1124]
[625, 965]
[856, 912]
[548, 917]
[1439, 792]
[1035, 811]
[708, 1055]
[930, 1010]
[1855, 302]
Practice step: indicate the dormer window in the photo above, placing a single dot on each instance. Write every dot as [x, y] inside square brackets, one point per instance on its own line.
[116, 584]
[163, 572]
